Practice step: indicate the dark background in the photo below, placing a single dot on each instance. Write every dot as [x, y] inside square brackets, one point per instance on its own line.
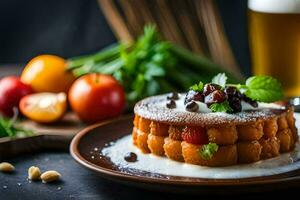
[73, 27]
[70, 28]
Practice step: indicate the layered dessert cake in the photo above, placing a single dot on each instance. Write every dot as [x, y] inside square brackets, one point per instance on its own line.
[217, 124]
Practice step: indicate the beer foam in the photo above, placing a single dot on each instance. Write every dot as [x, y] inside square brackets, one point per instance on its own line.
[275, 6]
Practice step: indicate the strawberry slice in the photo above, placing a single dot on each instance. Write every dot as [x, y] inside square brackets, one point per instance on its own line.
[195, 135]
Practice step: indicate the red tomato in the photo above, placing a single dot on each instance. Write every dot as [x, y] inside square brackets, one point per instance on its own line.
[95, 97]
[11, 92]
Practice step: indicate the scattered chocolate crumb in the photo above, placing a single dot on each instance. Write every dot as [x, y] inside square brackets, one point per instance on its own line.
[173, 96]
[130, 157]
[192, 106]
[171, 104]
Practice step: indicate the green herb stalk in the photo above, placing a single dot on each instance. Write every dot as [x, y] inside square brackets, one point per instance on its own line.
[149, 66]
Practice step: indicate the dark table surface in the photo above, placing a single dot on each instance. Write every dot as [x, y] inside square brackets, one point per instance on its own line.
[80, 183]
[76, 182]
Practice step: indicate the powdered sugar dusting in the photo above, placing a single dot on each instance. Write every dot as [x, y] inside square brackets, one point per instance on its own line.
[154, 108]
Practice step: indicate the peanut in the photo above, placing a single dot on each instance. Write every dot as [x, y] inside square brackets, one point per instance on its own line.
[6, 167]
[50, 176]
[34, 173]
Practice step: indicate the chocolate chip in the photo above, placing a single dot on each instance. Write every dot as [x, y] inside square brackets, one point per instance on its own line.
[173, 96]
[130, 157]
[192, 106]
[249, 101]
[171, 104]
[192, 95]
[235, 104]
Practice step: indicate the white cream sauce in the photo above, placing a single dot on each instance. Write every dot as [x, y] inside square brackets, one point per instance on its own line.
[162, 165]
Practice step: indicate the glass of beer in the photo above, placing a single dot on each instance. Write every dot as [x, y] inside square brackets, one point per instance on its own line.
[274, 33]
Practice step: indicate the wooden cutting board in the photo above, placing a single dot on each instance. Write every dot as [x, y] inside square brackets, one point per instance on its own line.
[68, 126]
[47, 137]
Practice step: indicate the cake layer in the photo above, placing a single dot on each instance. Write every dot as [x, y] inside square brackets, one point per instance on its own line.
[226, 133]
[238, 143]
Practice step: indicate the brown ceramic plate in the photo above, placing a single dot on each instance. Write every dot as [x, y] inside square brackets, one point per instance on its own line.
[83, 151]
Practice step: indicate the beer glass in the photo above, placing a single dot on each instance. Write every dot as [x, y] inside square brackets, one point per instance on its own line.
[274, 34]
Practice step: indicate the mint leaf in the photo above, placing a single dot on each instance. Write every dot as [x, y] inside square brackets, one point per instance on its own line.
[221, 107]
[197, 87]
[220, 79]
[263, 88]
[207, 151]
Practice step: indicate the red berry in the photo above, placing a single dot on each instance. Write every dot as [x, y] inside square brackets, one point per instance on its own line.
[232, 92]
[209, 88]
[217, 96]
[193, 95]
[195, 135]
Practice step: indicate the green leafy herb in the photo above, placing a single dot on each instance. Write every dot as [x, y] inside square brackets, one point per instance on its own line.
[259, 88]
[9, 128]
[148, 66]
[220, 79]
[197, 87]
[262, 88]
[207, 151]
[221, 107]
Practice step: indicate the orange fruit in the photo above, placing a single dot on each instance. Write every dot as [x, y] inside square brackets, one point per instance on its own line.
[44, 107]
[47, 73]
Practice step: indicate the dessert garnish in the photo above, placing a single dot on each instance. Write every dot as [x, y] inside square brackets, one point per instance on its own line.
[171, 104]
[217, 96]
[207, 151]
[130, 157]
[193, 95]
[173, 96]
[191, 106]
[220, 96]
[209, 88]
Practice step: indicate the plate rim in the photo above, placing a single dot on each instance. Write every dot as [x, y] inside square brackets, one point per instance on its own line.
[75, 153]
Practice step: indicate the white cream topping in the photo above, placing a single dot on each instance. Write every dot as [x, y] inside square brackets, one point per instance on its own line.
[204, 109]
[147, 162]
[275, 6]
